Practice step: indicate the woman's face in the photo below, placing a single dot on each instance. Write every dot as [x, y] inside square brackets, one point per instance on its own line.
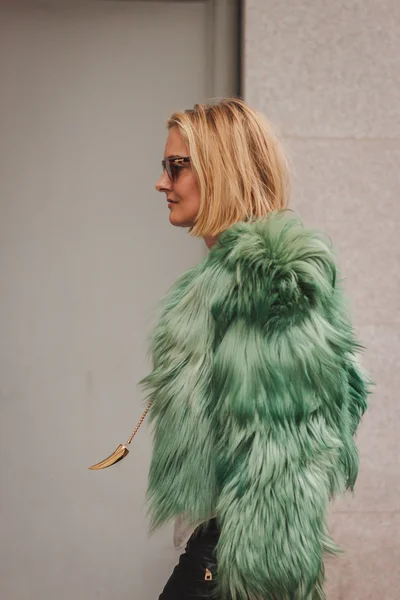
[182, 194]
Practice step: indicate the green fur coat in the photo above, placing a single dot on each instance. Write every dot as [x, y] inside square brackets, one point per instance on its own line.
[256, 398]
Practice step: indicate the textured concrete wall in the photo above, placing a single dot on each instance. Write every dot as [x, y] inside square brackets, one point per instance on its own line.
[328, 74]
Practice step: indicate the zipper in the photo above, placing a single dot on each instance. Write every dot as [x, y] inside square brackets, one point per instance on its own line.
[208, 575]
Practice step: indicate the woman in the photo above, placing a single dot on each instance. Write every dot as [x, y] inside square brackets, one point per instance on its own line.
[256, 393]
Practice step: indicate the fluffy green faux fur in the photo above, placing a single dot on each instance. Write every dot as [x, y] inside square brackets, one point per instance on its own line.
[256, 398]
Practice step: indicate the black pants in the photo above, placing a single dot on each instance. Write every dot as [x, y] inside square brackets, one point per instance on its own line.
[194, 576]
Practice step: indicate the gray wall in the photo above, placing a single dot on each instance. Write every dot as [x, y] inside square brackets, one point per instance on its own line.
[327, 73]
[86, 252]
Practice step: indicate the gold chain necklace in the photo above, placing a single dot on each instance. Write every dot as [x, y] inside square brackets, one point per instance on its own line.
[122, 450]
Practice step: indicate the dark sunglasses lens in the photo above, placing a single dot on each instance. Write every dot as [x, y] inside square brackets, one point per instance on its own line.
[167, 166]
[174, 172]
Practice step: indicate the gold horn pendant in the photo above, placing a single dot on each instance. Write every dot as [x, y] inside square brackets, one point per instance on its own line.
[122, 450]
[115, 457]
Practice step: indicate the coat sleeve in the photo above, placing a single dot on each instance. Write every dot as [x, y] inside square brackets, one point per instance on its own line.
[288, 399]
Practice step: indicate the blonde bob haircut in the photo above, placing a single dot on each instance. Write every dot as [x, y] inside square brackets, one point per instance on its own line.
[238, 161]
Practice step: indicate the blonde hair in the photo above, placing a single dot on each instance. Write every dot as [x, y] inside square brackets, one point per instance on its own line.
[239, 163]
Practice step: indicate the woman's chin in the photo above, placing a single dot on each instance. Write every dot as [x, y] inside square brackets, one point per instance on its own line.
[179, 221]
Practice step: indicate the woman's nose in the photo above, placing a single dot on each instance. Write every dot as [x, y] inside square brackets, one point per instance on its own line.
[164, 183]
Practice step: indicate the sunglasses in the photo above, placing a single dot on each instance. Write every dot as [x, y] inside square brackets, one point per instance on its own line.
[174, 165]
